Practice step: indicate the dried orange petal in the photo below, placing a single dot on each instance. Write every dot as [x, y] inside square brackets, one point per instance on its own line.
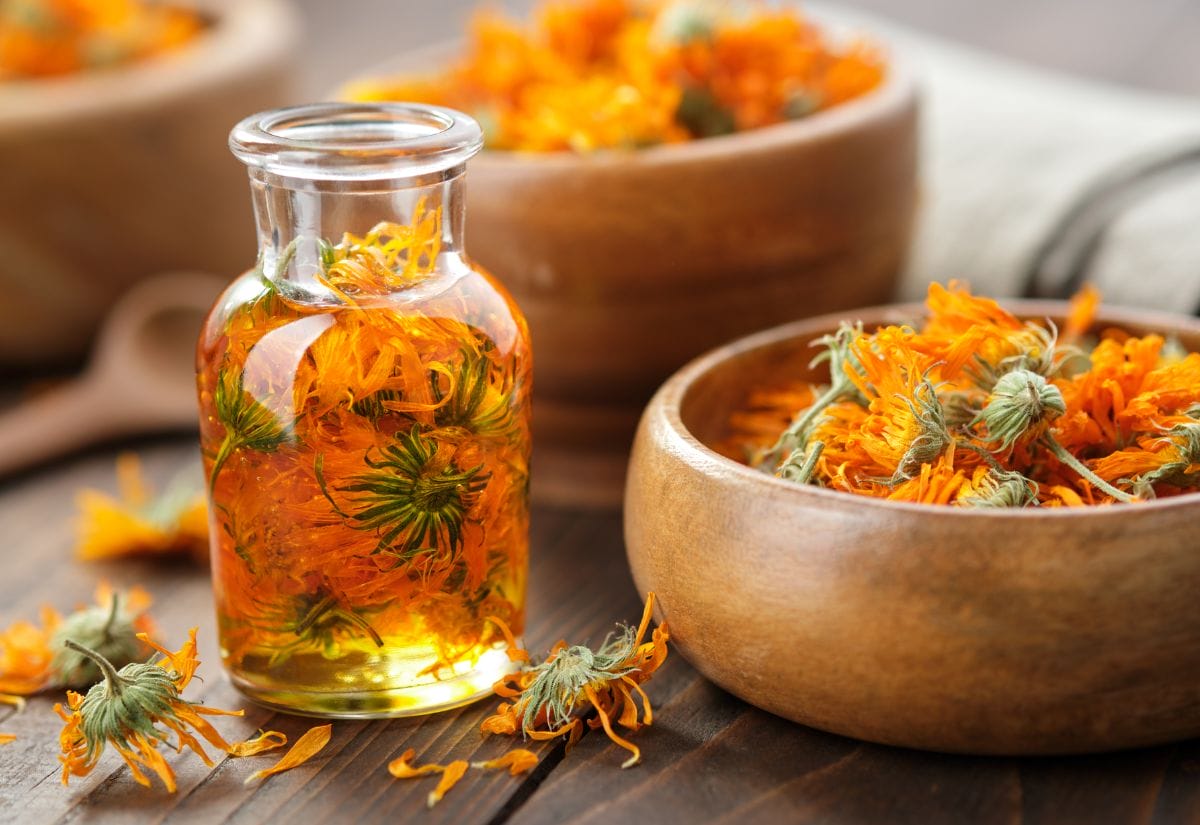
[306, 747]
[517, 761]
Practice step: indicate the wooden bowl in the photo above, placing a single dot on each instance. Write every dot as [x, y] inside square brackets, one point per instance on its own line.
[627, 264]
[116, 175]
[1002, 632]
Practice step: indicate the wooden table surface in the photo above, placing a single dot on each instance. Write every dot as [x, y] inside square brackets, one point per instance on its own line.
[708, 758]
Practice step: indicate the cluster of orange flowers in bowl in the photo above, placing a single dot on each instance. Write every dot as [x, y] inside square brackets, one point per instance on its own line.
[56, 37]
[598, 74]
[979, 408]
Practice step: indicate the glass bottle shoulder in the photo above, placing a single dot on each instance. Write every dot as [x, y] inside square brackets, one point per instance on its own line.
[457, 298]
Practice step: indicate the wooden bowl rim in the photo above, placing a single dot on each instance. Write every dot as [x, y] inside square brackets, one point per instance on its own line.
[899, 91]
[667, 403]
[231, 45]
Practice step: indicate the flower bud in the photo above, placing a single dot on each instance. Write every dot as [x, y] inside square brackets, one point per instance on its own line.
[1019, 401]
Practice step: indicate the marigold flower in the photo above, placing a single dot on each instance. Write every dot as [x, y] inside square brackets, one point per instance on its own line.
[546, 698]
[33, 658]
[978, 408]
[997, 487]
[605, 74]
[127, 708]
[139, 524]
[130, 708]
[1021, 400]
[54, 37]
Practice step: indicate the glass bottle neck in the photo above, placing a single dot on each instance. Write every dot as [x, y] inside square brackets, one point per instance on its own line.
[408, 226]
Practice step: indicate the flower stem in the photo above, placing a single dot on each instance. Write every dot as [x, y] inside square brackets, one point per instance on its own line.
[795, 431]
[1075, 464]
[226, 450]
[113, 679]
[112, 618]
[802, 474]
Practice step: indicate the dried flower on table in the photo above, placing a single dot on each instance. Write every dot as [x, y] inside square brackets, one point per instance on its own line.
[128, 707]
[603, 74]
[126, 710]
[978, 408]
[34, 658]
[139, 523]
[547, 699]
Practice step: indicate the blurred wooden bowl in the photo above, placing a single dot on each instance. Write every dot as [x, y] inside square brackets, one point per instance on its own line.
[1002, 632]
[114, 175]
[627, 264]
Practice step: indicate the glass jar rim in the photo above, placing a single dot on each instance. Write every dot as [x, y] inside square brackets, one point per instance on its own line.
[356, 141]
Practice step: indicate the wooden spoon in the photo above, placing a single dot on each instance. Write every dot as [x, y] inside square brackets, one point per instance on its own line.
[141, 377]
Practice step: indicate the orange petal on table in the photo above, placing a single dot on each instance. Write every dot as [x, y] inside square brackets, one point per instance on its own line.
[18, 701]
[267, 740]
[402, 768]
[306, 747]
[7, 738]
[517, 761]
[450, 776]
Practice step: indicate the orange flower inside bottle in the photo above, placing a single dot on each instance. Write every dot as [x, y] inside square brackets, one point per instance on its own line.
[364, 398]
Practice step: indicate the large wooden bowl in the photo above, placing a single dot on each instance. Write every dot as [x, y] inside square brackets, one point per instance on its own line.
[1005, 632]
[628, 264]
[116, 175]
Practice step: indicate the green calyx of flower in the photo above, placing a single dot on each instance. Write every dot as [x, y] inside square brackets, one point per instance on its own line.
[1019, 401]
[1185, 438]
[560, 682]
[107, 631]
[127, 702]
[1002, 488]
[933, 437]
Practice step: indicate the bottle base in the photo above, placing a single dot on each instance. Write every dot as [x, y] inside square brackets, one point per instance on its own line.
[387, 703]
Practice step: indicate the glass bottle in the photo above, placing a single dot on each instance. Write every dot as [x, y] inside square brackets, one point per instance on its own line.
[364, 404]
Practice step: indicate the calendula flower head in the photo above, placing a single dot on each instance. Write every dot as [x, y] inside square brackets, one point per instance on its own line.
[1020, 400]
[138, 523]
[33, 658]
[932, 437]
[110, 631]
[978, 407]
[126, 709]
[1037, 350]
[997, 487]
[960, 407]
[559, 682]
[546, 697]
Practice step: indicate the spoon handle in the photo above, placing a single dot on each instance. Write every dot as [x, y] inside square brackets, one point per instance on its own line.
[49, 425]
